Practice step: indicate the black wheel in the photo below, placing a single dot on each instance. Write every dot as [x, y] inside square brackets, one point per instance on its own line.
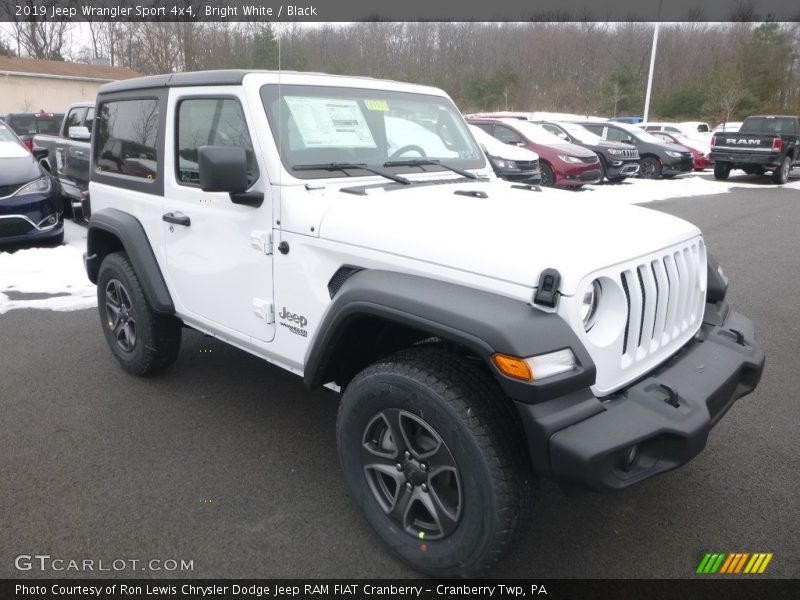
[142, 341]
[781, 174]
[721, 170]
[433, 456]
[650, 168]
[548, 175]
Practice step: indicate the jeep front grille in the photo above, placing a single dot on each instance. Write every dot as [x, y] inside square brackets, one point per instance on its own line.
[665, 297]
[630, 153]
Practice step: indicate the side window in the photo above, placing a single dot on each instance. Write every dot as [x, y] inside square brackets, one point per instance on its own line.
[89, 120]
[487, 127]
[73, 119]
[506, 135]
[617, 135]
[553, 129]
[127, 134]
[210, 122]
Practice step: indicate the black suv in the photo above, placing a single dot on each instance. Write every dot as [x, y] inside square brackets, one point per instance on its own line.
[618, 161]
[657, 158]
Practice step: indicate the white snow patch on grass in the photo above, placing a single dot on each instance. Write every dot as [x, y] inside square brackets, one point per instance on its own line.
[44, 271]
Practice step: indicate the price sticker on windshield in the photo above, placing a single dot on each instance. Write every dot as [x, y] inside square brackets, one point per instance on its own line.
[381, 105]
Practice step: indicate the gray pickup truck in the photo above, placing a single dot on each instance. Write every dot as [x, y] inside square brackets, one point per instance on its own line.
[764, 143]
[68, 159]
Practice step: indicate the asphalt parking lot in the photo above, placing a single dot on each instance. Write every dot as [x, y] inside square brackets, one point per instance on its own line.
[231, 463]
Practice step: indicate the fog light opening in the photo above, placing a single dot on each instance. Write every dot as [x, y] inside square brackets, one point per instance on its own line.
[629, 457]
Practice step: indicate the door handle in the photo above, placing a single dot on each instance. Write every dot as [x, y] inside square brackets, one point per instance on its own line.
[178, 218]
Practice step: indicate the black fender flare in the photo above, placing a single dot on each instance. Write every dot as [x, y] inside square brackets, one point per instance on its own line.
[131, 235]
[481, 321]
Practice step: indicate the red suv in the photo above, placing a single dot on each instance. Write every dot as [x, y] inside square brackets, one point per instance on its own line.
[562, 163]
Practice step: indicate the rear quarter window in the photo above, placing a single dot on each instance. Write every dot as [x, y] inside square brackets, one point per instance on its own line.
[127, 138]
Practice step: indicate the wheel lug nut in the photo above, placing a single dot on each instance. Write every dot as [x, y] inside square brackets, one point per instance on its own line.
[399, 466]
[409, 486]
[407, 454]
[424, 487]
[424, 466]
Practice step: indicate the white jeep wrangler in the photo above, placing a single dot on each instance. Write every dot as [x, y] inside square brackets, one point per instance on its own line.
[481, 333]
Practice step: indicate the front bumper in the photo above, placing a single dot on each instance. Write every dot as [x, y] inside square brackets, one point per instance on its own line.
[29, 217]
[622, 167]
[577, 174]
[655, 425]
[677, 165]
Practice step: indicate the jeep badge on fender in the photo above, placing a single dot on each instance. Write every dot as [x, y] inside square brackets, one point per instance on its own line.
[457, 389]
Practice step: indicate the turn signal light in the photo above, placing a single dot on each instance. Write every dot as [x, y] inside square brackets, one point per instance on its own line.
[511, 366]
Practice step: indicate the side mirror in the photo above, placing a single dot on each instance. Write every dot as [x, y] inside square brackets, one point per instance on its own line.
[79, 133]
[224, 169]
[40, 153]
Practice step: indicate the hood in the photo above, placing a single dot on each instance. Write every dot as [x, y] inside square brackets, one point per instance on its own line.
[17, 165]
[511, 236]
[674, 147]
[570, 149]
[510, 152]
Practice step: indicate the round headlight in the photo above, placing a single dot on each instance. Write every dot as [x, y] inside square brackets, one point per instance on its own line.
[589, 302]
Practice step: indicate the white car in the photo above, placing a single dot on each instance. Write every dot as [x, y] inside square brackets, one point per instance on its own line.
[729, 127]
[509, 161]
[480, 334]
[697, 130]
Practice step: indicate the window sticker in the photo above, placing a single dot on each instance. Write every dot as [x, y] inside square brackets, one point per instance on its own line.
[330, 122]
[381, 105]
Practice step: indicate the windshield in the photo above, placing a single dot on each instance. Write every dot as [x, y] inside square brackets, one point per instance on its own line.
[28, 124]
[580, 133]
[537, 134]
[640, 133]
[320, 125]
[775, 125]
[6, 135]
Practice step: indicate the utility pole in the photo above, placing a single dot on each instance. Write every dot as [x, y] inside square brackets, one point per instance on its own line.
[650, 74]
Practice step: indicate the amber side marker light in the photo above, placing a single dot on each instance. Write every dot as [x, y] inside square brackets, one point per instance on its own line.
[536, 367]
[511, 366]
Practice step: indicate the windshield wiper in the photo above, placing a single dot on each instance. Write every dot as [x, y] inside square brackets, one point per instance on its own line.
[344, 167]
[424, 162]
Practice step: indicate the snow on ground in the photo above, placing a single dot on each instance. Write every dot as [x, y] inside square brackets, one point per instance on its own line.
[638, 191]
[54, 278]
[47, 278]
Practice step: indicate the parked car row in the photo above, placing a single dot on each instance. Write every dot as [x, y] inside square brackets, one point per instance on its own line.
[575, 152]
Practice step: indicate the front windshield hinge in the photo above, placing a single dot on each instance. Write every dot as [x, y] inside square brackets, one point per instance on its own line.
[262, 240]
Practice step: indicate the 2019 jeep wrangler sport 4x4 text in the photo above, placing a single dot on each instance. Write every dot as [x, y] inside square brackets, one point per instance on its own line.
[481, 333]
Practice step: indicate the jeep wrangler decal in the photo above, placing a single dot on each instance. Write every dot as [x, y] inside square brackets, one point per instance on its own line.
[285, 315]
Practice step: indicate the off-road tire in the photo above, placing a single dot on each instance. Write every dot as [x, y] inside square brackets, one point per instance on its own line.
[481, 430]
[781, 174]
[157, 338]
[721, 170]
